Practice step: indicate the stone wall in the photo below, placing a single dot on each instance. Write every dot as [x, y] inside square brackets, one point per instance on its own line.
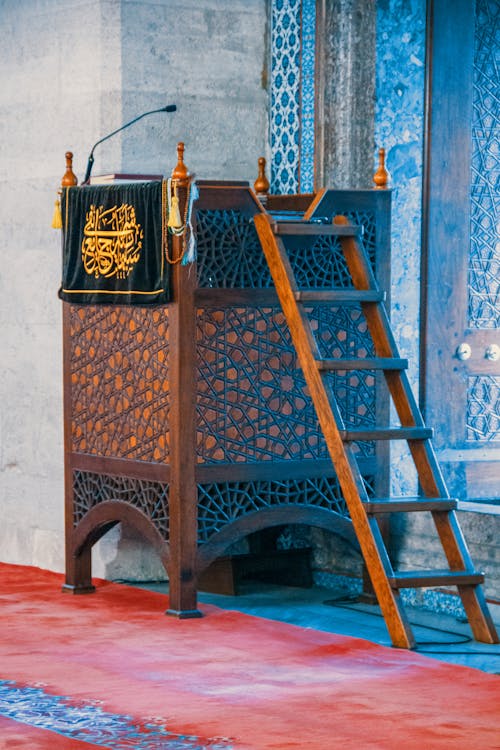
[415, 545]
[345, 95]
[72, 71]
[399, 128]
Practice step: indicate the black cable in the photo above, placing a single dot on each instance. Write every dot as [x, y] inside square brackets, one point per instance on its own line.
[458, 653]
[463, 638]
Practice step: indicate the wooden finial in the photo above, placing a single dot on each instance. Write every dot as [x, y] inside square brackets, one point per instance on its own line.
[69, 178]
[381, 176]
[261, 184]
[180, 171]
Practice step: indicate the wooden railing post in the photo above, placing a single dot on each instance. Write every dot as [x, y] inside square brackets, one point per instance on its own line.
[261, 184]
[78, 561]
[381, 176]
[183, 493]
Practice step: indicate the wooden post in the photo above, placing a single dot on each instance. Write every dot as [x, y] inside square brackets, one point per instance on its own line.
[261, 184]
[381, 176]
[183, 493]
[69, 178]
[78, 562]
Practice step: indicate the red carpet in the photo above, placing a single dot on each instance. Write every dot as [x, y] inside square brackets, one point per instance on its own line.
[227, 680]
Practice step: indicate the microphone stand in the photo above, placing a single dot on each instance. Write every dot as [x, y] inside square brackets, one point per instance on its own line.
[168, 108]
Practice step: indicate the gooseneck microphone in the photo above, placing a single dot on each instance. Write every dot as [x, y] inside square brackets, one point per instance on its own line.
[168, 108]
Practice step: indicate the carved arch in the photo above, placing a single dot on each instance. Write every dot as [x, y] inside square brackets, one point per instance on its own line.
[102, 517]
[266, 518]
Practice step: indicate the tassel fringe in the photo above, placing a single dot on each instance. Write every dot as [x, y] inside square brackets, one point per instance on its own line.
[174, 215]
[57, 217]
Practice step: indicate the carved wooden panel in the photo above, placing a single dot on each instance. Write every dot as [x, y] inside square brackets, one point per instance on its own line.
[91, 489]
[483, 408]
[230, 256]
[252, 400]
[223, 502]
[229, 252]
[119, 382]
[484, 259]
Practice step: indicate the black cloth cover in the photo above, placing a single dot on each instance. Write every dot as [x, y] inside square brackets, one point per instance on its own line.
[113, 250]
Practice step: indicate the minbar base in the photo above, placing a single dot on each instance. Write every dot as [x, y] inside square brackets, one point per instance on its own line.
[184, 614]
[67, 588]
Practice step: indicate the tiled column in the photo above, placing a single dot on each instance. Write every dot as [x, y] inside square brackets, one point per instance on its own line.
[292, 58]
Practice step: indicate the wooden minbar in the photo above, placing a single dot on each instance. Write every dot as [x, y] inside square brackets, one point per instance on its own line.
[191, 421]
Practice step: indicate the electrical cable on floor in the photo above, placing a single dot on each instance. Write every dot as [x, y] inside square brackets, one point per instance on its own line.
[342, 602]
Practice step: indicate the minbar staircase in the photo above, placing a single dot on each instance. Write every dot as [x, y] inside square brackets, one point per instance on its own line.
[363, 510]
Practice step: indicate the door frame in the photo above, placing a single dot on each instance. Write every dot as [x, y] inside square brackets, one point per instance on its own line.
[445, 214]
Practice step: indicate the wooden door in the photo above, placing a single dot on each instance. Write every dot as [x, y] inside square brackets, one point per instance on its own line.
[461, 274]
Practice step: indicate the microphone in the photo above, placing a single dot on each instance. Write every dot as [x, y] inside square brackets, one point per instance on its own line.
[168, 108]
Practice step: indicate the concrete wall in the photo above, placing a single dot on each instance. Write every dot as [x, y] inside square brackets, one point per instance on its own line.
[207, 57]
[72, 71]
[53, 80]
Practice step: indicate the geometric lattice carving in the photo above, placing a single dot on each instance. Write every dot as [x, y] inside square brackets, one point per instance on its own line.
[262, 412]
[119, 382]
[229, 252]
[151, 498]
[484, 258]
[483, 408]
[221, 503]
[367, 221]
[252, 402]
[230, 255]
[322, 264]
[341, 332]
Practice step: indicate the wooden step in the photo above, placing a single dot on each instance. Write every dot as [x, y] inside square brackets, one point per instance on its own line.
[344, 459]
[341, 296]
[414, 579]
[409, 504]
[387, 433]
[302, 228]
[377, 363]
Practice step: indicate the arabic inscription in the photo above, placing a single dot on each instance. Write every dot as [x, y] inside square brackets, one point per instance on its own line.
[112, 241]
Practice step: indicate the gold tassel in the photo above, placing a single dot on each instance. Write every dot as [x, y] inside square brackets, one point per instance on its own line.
[57, 218]
[174, 217]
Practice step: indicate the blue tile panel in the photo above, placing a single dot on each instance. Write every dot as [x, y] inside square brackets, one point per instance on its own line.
[292, 95]
[484, 258]
[89, 723]
[307, 91]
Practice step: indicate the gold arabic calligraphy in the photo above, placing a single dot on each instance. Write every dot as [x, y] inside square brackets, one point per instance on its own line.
[112, 241]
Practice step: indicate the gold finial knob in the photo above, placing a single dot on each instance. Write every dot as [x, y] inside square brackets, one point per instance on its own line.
[381, 176]
[180, 171]
[69, 179]
[261, 184]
